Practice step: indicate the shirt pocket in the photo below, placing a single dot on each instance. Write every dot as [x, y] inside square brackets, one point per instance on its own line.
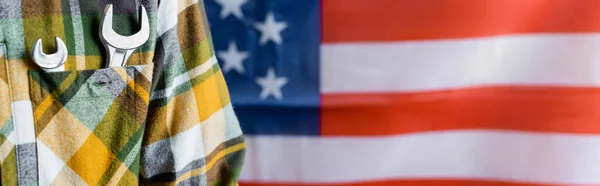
[89, 124]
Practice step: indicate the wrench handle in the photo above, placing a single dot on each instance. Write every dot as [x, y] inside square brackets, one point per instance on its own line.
[118, 57]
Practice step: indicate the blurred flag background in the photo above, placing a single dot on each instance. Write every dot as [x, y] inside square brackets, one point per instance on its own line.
[413, 92]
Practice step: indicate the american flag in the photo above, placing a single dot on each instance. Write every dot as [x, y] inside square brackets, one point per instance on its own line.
[413, 92]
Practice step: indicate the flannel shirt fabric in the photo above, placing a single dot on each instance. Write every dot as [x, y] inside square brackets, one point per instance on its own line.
[165, 118]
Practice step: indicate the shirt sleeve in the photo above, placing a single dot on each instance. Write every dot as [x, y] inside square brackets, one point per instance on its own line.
[192, 134]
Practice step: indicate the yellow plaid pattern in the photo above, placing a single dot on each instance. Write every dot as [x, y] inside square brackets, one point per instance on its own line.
[163, 119]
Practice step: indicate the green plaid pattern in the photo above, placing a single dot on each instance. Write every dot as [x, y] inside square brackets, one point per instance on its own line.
[163, 119]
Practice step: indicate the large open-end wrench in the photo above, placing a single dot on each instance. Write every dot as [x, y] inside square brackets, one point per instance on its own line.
[119, 47]
[50, 62]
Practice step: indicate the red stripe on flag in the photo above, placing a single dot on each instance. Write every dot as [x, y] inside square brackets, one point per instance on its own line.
[541, 109]
[431, 182]
[396, 20]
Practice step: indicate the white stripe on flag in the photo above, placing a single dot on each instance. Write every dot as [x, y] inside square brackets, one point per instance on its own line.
[489, 155]
[571, 60]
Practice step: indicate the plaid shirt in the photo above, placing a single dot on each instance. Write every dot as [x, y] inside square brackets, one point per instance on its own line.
[165, 118]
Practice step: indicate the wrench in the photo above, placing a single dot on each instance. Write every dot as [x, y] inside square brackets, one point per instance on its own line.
[50, 62]
[119, 47]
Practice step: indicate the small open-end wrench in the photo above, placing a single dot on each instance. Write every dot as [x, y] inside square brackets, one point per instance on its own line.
[119, 47]
[50, 62]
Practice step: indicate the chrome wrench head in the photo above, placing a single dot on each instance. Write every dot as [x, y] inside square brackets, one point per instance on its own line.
[50, 62]
[119, 47]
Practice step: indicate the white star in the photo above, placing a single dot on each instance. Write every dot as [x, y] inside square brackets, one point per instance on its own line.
[271, 85]
[231, 7]
[232, 58]
[270, 30]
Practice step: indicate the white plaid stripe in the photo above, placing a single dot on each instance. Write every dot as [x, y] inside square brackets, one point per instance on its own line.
[51, 166]
[78, 34]
[23, 114]
[184, 78]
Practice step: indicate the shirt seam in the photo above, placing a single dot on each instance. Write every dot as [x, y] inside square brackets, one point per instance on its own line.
[12, 109]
